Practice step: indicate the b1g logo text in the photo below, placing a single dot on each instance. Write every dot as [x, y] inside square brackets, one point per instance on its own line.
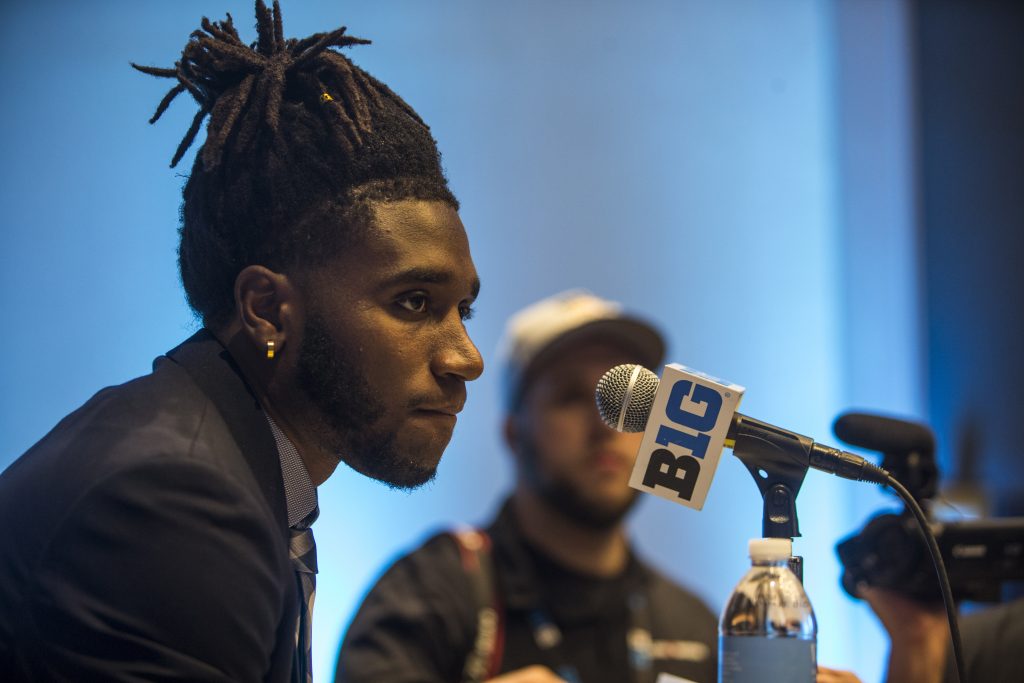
[693, 406]
[685, 435]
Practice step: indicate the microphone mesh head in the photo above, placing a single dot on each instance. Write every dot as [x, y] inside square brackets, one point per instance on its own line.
[619, 395]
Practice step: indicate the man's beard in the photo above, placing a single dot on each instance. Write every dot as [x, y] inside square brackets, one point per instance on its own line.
[565, 497]
[349, 413]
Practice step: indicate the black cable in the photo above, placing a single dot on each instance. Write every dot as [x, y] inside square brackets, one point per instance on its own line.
[940, 569]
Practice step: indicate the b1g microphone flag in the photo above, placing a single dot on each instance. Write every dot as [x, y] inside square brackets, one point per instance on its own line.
[688, 417]
[685, 434]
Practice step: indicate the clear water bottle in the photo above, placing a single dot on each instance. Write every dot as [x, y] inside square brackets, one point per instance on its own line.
[767, 632]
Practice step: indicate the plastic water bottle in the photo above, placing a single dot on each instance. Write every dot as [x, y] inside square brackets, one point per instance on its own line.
[767, 632]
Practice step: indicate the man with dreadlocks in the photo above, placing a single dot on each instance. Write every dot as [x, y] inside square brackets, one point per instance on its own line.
[162, 530]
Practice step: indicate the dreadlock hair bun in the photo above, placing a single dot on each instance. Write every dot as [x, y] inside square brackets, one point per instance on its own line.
[298, 140]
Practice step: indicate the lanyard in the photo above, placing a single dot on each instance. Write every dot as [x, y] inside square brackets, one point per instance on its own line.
[548, 638]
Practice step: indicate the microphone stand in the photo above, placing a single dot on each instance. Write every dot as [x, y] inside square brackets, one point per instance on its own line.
[778, 461]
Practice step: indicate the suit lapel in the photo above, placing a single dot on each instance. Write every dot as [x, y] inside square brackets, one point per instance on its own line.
[211, 367]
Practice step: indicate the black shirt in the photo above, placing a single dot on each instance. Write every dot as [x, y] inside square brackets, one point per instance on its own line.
[993, 638]
[418, 623]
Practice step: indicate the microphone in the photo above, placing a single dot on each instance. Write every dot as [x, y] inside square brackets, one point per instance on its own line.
[907, 448]
[688, 417]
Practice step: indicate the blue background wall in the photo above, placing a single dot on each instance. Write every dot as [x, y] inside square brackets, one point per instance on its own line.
[731, 169]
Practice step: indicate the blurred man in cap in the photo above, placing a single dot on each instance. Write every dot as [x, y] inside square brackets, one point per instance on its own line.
[552, 589]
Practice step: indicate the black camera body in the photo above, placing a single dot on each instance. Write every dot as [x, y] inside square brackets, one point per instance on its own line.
[890, 551]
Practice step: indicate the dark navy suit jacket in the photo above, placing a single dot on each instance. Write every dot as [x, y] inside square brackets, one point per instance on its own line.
[145, 537]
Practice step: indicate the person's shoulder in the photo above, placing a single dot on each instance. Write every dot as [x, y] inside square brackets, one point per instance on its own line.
[434, 573]
[165, 494]
[438, 554]
[420, 616]
[991, 637]
[164, 403]
[158, 431]
[163, 399]
[174, 547]
[1001, 625]
[159, 415]
[426, 585]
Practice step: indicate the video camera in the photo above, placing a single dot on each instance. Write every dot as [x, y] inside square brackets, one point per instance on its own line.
[889, 552]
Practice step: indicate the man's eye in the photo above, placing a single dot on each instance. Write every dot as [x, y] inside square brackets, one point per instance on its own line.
[414, 303]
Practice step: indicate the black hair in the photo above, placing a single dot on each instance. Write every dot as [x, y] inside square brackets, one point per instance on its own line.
[299, 139]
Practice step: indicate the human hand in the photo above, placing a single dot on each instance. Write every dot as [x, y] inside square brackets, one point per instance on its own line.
[907, 620]
[918, 634]
[826, 675]
[530, 674]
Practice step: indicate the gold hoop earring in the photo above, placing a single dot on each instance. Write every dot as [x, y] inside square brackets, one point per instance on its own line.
[270, 349]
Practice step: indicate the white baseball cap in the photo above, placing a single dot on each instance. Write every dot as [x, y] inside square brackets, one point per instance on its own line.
[547, 326]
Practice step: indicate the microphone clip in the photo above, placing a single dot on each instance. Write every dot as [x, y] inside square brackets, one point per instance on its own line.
[778, 461]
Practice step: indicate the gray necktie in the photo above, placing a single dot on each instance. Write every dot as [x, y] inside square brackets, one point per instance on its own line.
[302, 551]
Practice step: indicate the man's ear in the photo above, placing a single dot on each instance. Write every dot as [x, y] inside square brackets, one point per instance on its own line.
[269, 308]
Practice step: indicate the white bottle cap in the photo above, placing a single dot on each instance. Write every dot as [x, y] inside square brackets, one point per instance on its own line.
[770, 549]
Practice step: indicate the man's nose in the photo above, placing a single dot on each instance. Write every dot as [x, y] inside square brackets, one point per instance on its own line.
[458, 356]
